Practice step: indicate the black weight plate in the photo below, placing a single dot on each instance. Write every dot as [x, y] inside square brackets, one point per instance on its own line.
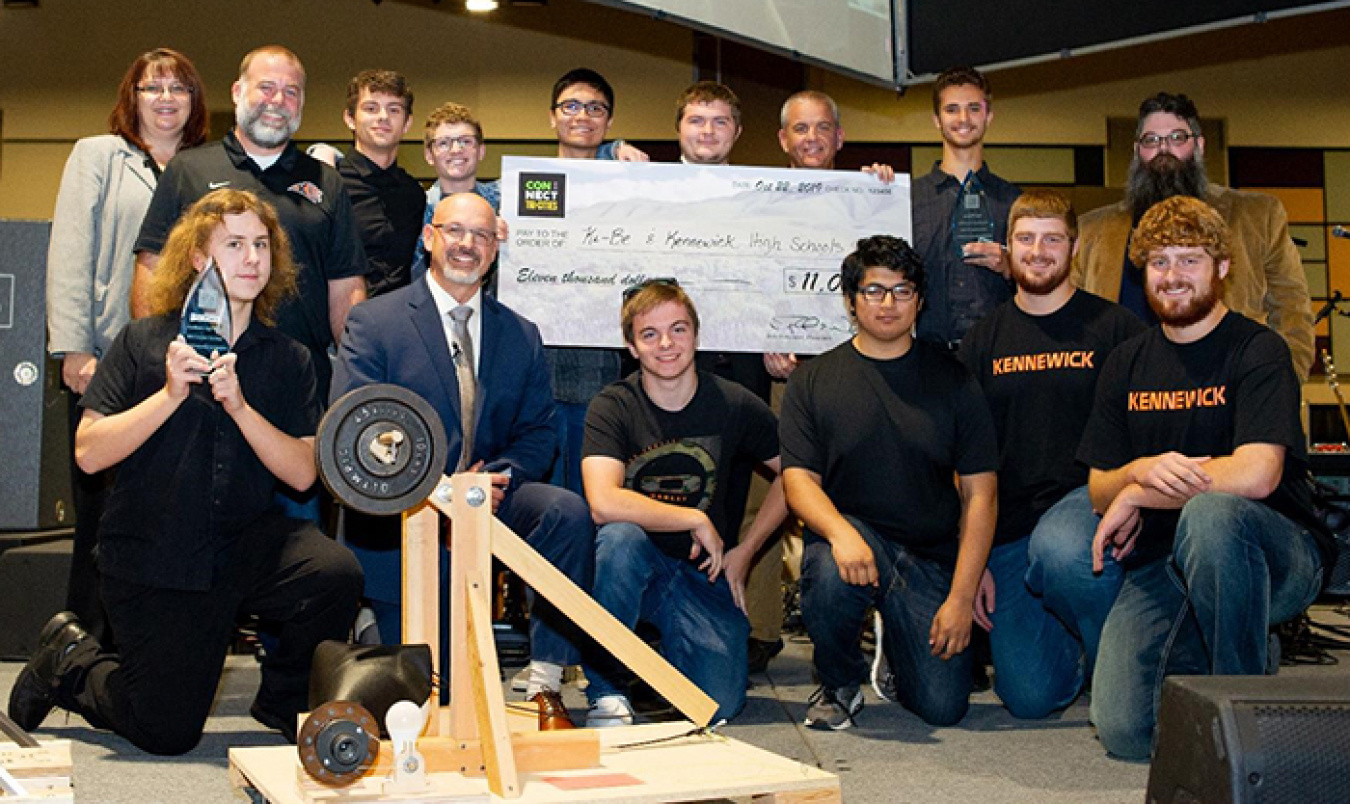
[381, 449]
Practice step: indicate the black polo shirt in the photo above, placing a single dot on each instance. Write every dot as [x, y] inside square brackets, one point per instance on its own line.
[182, 498]
[313, 208]
[388, 205]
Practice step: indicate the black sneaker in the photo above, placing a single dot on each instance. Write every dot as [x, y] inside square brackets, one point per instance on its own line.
[833, 709]
[759, 652]
[33, 694]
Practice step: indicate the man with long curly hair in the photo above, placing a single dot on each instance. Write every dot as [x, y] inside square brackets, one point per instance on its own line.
[190, 539]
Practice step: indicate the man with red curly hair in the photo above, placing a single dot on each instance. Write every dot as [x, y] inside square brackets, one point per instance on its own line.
[1197, 465]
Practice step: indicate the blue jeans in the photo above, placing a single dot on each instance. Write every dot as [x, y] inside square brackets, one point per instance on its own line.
[1237, 567]
[703, 634]
[569, 418]
[1037, 662]
[910, 591]
[1059, 571]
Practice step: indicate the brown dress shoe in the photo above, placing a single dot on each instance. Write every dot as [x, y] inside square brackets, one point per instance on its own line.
[552, 713]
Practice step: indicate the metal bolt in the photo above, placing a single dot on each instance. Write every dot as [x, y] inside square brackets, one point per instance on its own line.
[444, 492]
[475, 496]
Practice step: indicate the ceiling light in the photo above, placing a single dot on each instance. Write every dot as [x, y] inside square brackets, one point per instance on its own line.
[480, 5]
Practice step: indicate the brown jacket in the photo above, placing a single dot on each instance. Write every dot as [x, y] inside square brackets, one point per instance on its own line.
[1265, 281]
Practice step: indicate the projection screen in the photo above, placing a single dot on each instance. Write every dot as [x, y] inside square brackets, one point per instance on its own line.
[854, 37]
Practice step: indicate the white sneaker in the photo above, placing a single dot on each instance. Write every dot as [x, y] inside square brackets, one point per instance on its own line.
[571, 675]
[610, 710]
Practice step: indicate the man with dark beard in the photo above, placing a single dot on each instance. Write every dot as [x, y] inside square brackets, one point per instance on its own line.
[1041, 351]
[1197, 461]
[258, 155]
[1267, 284]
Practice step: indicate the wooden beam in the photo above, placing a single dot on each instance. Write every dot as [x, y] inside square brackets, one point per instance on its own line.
[470, 562]
[581, 609]
[489, 702]
[535, 751]
[421, 589]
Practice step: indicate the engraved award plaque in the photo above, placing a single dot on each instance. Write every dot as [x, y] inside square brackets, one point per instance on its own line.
[205, 323]
[971, 220]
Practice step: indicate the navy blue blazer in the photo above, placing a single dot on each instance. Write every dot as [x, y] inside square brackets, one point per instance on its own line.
[398, 338]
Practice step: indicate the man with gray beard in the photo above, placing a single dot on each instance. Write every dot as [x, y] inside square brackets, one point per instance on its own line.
[257, 155]
[1266, 282]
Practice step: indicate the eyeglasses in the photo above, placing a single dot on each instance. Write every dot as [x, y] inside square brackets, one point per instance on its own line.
[269, 88]
[1176, 139]
[455, 234]
[876, 294]
[632, 290]
[154, 90]
[443, 145]
[572, 108]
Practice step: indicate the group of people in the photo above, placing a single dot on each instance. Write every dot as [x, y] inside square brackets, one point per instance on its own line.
[1114, 491]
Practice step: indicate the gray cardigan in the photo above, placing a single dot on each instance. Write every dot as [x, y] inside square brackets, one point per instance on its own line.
[105, 190]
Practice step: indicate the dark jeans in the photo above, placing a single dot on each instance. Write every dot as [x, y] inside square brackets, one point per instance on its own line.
[1060, 571]
[910, 592]
[569, 419]
[1037, 661]
[158, 691]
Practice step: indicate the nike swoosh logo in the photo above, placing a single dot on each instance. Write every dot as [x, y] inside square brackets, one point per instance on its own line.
[216, 185]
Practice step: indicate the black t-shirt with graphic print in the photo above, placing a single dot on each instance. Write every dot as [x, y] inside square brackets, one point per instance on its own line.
[684, 457]
[1234, 386]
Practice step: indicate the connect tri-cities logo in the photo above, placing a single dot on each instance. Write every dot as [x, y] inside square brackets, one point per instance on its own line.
[543, 195]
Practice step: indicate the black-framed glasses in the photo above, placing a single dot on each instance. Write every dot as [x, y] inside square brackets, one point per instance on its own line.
[632, 290]
[455, 232]
[572, 108]
[442, 145]
[876, 294]
[154, 89]
[1176, 139]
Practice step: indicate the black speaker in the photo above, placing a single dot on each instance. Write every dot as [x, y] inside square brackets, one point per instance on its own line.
[33, 577]
[35, 444]
[1252, 740]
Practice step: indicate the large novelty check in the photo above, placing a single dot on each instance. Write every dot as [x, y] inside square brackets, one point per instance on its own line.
[757, 249]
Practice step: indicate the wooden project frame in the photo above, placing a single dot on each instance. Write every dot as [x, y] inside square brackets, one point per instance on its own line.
[477, 709]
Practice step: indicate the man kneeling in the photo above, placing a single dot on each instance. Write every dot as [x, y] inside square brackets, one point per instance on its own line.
[190, 539]
[890, 455]
[1197, 462]
[660, 452]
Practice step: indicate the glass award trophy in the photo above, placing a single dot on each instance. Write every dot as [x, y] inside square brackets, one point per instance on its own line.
[971, 220]
[205, 323]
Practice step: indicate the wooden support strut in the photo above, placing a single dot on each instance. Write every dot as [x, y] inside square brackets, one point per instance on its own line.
[421, 586]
